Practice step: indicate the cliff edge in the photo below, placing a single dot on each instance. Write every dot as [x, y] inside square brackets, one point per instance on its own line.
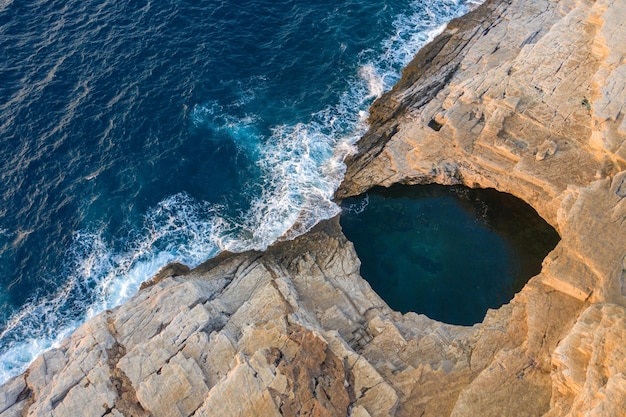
[525, 97]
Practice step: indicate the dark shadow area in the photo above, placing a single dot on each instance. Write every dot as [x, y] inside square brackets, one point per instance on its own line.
[448, 252]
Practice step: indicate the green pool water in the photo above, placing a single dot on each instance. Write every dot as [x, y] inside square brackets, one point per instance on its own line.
[448, 252]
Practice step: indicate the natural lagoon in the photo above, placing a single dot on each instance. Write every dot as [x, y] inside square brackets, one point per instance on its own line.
[448, 252]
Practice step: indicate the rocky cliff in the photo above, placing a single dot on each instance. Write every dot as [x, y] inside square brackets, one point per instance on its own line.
[525, 97]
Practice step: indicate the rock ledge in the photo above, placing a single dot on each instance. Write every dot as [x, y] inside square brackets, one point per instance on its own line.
[524, 97]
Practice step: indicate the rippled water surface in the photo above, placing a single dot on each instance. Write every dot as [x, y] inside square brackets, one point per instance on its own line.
[134, 133]
[448, 252]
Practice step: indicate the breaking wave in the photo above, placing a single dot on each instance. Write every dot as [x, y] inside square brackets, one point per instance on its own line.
[299, 167]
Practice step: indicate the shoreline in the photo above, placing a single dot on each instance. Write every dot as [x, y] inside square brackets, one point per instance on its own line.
[481, 105]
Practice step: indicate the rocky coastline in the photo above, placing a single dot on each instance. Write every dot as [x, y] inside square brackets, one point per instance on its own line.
[528, 98]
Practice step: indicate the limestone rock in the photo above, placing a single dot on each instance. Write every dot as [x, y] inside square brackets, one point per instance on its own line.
[292, 331]
[532, 105]
[525, 97]
[589, 365]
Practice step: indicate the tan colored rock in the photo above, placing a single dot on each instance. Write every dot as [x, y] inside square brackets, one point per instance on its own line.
[525, 97]
[532, 105]
[12, 397]
[589, 375]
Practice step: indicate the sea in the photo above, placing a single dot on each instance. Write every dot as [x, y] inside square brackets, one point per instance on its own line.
[137, 133]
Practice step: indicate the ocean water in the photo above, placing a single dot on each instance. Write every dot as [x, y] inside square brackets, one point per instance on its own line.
[133, 134]
[448, 252]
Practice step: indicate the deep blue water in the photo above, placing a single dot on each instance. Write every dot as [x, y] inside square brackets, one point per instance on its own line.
[135, 133]
[448, 252]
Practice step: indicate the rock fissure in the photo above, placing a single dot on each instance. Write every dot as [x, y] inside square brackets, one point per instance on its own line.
[61, 395]
[27, 396]
[127, 402]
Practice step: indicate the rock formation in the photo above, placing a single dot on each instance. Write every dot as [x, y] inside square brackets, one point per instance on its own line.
[525, 97]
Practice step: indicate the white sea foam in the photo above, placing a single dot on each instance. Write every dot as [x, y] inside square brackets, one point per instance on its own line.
[4, 4]
[242, 131]
[412, 31]
[301, 166]
[98, 278]
[375, 82]
[359, 206]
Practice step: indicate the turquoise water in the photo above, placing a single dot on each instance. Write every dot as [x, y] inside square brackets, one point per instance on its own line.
[448, 252]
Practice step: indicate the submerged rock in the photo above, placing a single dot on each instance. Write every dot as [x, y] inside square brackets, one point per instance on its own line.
[524, 97]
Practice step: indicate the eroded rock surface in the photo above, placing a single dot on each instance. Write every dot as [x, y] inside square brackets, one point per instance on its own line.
[292, 331]
[525, 97]
[532, 103]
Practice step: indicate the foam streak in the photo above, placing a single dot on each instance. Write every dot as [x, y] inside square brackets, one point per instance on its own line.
[301, 166]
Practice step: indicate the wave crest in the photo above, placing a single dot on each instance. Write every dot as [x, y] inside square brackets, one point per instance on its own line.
[300, 166]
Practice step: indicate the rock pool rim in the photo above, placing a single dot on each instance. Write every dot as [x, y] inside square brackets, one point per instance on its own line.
[493, 244]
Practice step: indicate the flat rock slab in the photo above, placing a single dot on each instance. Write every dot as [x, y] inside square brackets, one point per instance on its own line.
[524, 97]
